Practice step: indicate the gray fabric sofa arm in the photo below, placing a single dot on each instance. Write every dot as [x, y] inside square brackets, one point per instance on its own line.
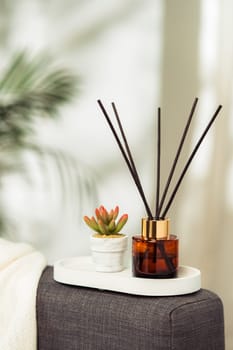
[70, 318]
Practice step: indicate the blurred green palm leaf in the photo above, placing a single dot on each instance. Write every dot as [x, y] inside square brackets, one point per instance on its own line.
[31, 88]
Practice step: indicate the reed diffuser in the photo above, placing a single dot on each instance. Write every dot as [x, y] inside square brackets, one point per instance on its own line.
[155, 252]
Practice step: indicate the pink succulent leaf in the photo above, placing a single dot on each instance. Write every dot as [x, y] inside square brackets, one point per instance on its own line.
[97, 214]
[116, 212]
[87, 220]
[121, 222]
[104, 214]
[101, 209]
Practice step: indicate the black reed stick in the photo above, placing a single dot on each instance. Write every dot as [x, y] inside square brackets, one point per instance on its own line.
[139, 187]
[177, 156]
[126, 143]
[130, 157]
[158, 163]
[189, 161]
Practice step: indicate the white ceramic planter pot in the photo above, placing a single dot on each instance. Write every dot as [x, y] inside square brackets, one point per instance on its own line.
[108, 253]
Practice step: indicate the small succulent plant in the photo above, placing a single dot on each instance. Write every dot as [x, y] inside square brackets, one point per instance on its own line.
[106, 223]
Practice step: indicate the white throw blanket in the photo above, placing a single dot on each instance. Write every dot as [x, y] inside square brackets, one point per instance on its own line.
[20, 269]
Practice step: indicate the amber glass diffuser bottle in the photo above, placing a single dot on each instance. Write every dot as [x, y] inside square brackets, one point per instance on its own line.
[155, 252]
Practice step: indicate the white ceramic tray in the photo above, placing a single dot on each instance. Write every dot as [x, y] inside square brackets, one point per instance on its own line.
[80, 271]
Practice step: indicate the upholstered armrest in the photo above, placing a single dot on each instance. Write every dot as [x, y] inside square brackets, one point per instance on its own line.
[70, 317]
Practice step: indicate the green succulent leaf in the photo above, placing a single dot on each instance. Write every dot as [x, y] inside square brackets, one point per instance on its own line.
[121, 223]
[102, 227]
[112, 226]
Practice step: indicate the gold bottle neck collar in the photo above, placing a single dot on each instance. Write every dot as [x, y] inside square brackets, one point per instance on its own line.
[155, 229]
